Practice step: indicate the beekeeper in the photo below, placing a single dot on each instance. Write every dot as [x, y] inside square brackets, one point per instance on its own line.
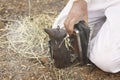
[103, 18]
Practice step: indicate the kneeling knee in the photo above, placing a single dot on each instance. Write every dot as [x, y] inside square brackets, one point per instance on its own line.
[105, 64]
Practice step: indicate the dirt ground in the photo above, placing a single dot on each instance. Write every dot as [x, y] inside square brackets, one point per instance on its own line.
[16, 67]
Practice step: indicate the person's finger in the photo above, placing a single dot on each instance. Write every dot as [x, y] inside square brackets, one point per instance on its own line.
[71, 26]
[85, 18]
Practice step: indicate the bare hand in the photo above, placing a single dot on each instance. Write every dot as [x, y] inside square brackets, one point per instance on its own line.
[77, 13]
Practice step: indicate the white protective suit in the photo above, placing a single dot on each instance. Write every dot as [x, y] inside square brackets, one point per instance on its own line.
[104, 47]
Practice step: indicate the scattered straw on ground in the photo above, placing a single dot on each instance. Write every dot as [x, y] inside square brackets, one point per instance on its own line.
[26, 36]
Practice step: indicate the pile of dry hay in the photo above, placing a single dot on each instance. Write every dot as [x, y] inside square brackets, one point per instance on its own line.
[26, 36]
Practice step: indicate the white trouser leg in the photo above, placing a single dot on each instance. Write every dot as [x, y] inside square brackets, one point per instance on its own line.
[105, 47]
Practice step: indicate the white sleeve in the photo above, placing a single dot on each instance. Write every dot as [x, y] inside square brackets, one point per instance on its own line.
[62, 16]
